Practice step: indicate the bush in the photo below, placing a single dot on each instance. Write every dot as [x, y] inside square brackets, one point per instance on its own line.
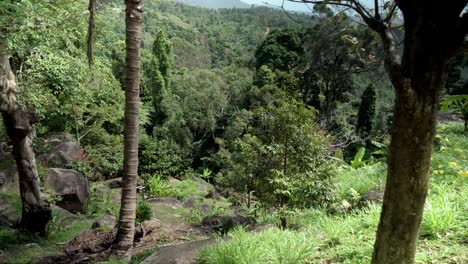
[160, 157]
[143, 212]
[100, 203]
[105, 152]
[158, 187]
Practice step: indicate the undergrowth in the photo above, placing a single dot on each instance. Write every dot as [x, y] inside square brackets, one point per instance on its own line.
[349, 237]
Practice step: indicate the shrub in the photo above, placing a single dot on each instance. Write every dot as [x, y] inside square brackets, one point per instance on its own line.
[160, 157]
[158, 187]
[143, 212]
[100, 203]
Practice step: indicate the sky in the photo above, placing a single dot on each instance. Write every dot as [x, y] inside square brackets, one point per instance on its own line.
[293, 6]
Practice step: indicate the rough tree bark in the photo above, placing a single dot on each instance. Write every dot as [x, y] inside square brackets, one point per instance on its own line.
[433, 33]
[19, 125]
[91, 32]
[124, 240]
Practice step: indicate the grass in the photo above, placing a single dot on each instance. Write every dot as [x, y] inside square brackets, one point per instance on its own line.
[24, 248]
[349, 238]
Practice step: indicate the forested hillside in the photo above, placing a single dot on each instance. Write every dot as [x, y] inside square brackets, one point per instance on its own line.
[215, 4]
[264, 136]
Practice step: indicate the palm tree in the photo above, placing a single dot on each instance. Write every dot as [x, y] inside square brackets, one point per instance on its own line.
[124, 240]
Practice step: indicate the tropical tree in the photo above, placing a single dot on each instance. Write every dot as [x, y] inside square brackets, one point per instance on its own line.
[434, 32]
[366, 112]
[124, 240]
[334, 51]
[282, 158]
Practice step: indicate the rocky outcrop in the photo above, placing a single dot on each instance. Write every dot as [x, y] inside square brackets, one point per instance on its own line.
[61, 150]
[114, 183]
[179, 254]
[171, 201]
[71, 186]
[222, 224]
[9, 216]
[8, 171]
[105, 222]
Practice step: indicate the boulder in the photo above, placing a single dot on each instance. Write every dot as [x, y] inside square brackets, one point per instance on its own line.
[107, 222]
[114, 183]
[373, 196]
[173, 180]
[6, 177]
[179, 254]
[192, 201]
[71, 186]
[222, 224]
[171, 201]
[61, 149]
[8, 171]
[9, 216]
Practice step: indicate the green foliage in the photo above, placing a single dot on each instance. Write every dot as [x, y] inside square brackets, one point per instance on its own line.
[100, 202]
[282, 50]
[358, 160]
[157, 186]
[160, 157]
[349, 238]
[366, 112]
[283, 159]
[192, 187]
[458, 105]
[196, 215]
[270, 246]
[143, 212]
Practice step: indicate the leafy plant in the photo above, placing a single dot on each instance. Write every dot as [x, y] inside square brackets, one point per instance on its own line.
[358, 161]
[206, 174]
[158, 187]
[458, 105]
[143, 212]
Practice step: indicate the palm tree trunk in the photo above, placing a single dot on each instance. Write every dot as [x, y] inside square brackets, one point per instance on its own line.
[19, 125]
[124, 240]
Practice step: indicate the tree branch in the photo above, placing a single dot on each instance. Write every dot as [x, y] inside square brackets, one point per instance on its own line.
[388, 19]
[392, 58]
[464, 23]
[376, 9]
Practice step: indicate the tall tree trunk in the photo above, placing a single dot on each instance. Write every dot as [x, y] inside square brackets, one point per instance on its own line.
[414, 126]
[433, 33]
[19, 125]
[91, 32]
[124, 240]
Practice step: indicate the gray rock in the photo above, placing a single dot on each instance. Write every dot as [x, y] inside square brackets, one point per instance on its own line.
[165, 201]
[373, 196]
[179, 254]
[173, 180]
[222, 224]
[71, 186]
[8, 215]
[107, 221]
[114, 183]
[5, 178]
[192, 201]
[8, 171]
[62, 149]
